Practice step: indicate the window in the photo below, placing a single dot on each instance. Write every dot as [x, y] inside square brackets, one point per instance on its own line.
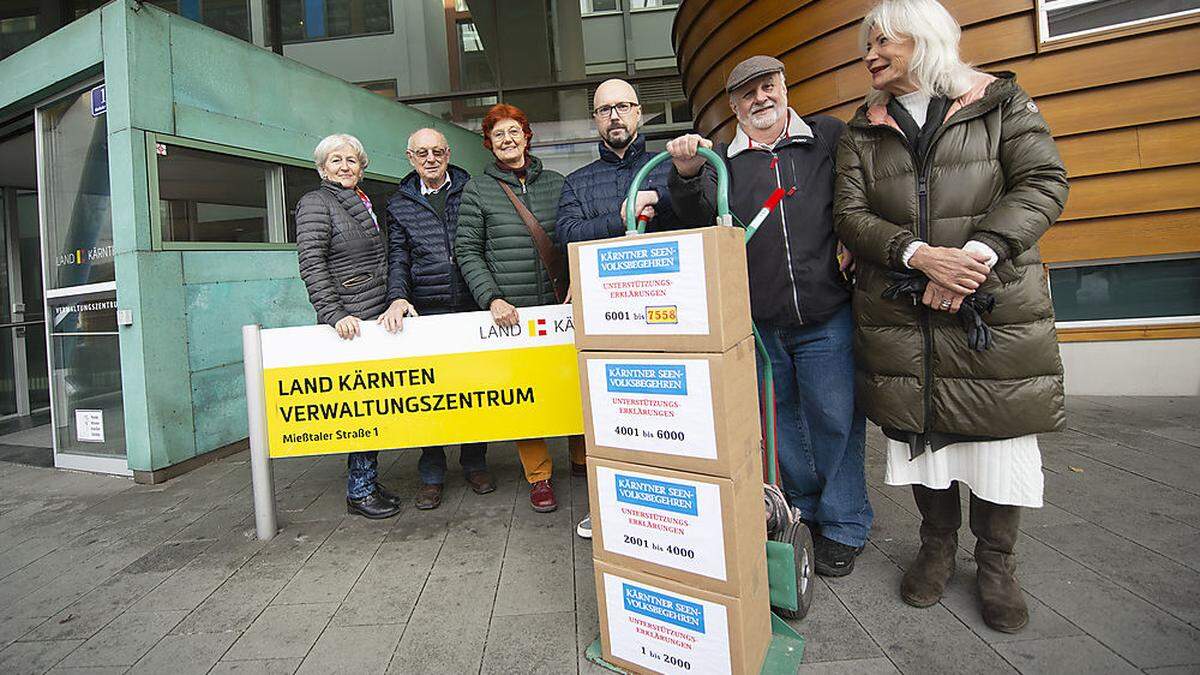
[209, 197]
[652, 4]
[297, 181]
[19, 26]
[385, 88]
[1061, 19]
[1134, 290]
[594, 6]
[228, 16]
[305, 20]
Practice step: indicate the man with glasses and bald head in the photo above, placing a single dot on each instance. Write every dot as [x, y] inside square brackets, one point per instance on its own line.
[423, 278]
[593, 197]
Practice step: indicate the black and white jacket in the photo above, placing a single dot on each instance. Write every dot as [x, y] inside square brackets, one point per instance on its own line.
[794, 277]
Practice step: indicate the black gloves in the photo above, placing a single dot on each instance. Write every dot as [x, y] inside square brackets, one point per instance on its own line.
[974, 306]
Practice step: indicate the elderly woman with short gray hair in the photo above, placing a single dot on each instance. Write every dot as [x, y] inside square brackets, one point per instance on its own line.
[343, 262]
[947, 177]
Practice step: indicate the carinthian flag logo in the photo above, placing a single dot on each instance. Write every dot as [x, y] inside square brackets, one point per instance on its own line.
[537, 328]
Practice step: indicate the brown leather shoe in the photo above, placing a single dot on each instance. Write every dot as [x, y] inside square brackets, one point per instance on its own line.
[541, 497]
[481, 482]
[429, 496]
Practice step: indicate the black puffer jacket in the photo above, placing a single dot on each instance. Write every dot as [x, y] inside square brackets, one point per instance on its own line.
[342, 258]
[592, 195]
[421, 264]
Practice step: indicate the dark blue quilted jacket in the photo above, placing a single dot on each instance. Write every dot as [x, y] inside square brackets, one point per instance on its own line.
[592, 195]
[421, 264]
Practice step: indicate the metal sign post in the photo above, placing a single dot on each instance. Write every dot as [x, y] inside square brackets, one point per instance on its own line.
[260, 458]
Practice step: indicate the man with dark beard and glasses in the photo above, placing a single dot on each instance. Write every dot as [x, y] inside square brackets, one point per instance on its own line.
[799, 296]
[592, 205]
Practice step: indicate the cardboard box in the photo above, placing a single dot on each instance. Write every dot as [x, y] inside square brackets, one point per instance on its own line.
[691, 412]
[682, 291]
[654, 625]
[706, 532]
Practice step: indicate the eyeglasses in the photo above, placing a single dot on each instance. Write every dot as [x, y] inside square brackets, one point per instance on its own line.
[501, 134]
[622, 108]
[438, 153]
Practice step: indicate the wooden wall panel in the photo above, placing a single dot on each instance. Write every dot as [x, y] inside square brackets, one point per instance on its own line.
[1174, 143]
[1104, 63]
[1166, 233]
[1124, 108]
[1145, 191]
[1105, 152]
[1147, 147]
[1142, 102]
[996, 40]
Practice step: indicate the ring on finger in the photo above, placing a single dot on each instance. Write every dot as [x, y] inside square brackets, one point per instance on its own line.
[946, 304]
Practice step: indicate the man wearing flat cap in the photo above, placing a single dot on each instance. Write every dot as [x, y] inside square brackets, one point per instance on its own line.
[799, 296]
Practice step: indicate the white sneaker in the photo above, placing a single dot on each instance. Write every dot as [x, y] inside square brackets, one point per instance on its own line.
[584, 528]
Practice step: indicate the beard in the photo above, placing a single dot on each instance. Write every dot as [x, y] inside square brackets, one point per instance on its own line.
[761, 119]
[618, 138]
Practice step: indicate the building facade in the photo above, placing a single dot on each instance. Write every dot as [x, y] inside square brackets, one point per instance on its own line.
[1116, 82]
[151, 165]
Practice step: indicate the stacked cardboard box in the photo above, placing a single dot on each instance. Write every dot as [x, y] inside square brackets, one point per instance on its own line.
[671, 421]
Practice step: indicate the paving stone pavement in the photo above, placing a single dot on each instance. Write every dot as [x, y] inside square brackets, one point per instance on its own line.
[100, 575]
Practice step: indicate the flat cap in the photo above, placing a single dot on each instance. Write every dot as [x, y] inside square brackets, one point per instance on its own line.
[755, 66]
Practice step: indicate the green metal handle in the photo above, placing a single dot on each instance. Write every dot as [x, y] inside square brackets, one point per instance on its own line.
[631, 223]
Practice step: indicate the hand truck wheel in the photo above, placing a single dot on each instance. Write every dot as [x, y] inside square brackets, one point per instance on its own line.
[800, 538]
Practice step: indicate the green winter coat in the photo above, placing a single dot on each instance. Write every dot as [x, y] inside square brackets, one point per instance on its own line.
[495, 252]
[993, 175]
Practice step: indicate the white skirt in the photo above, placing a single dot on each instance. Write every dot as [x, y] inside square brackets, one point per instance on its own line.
[1006, 472]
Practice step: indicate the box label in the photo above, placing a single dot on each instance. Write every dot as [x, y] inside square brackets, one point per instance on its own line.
[653, 405]
[663, 631]
[670, 522]
[620, 261]
[657, 287]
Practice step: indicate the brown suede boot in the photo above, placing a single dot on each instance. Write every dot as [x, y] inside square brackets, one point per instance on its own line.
[995, 528]
[941, 516]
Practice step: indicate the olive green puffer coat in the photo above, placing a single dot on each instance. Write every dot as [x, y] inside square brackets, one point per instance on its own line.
[495, 252]
[993, 175]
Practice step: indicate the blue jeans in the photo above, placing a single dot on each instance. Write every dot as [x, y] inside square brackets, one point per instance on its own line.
[362, 472]
[821, 433]
[432, 465]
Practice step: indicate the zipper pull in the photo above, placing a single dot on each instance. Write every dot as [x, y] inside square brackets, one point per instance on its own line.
[922, 186]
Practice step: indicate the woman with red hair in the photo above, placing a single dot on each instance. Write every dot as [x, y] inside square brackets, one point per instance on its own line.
[508, 253]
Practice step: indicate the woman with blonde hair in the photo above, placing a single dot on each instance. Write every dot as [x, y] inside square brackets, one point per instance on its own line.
[947, 177]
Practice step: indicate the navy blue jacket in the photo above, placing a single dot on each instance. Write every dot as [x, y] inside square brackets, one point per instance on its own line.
[592, 196]
[421, 264]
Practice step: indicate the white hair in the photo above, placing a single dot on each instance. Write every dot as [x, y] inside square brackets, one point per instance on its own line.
[333, 142]
[936, 67]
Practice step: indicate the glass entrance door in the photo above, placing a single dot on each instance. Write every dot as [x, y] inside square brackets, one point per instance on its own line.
[24, 384]
[85, 372]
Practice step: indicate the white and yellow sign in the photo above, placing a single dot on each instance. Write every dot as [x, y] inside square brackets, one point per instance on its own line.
[447, 379]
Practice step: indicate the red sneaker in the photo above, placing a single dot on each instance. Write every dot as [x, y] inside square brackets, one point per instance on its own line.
[541, 497]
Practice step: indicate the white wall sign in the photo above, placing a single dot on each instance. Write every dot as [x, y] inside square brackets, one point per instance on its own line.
[656, 287]
[653, 405]
[666, 521]
[89, 426]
